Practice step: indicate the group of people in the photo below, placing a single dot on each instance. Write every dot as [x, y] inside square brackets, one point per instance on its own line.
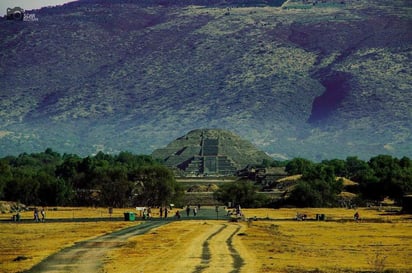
[164, 212]
[189, 209]
[147, 213]
[36, 215]
[194, 209]
[237, 211]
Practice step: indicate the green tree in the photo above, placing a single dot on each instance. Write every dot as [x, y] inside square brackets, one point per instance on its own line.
[317, 193]
[317, 187]
[298, 166]
[154, 186]
[69, 168]
[338, 165]
[304, 195]
[242, 192]
[23, 187]
[394, 177]
[133, 161]
[356, 167]
[5, 176]
[319, 171]
[115, 187]
[53, 191]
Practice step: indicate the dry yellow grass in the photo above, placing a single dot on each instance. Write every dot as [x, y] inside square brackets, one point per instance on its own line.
[330, 246]
[36, 241]
[71, 212]
[347, 182]
[370, 214]
[335, 246]
[278, 244]
[290, 178]
[154, 249]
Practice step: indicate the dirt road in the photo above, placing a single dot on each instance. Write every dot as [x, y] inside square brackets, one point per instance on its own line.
[191, 246]
[185, 247]
[88, 256]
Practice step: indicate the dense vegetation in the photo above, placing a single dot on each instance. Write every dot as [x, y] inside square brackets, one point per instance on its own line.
[125, 179]
[241, 192]
[49, 178]
[382, 176]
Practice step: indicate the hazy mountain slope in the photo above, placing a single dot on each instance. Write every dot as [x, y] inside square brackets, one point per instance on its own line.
[329, 81]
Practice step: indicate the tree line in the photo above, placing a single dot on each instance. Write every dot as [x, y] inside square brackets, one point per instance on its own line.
[51, 179]
[320, 184]
[380, 177]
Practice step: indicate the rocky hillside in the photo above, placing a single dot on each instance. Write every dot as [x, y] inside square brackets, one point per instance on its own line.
[321, 80]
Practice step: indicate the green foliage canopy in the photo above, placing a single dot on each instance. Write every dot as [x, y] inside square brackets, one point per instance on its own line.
[242, 193]
[49, 178]
[382, 176]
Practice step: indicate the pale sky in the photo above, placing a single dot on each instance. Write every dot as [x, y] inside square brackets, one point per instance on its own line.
[29, 4]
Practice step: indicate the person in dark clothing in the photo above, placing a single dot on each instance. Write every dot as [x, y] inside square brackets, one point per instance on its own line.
[356, 216]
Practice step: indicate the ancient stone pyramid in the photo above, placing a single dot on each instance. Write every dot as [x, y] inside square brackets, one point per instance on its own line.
[210, 152]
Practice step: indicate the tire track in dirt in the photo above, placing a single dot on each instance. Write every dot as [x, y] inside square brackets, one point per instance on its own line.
[238, 261]
[219, 253]
[206, 251]
[88, 256]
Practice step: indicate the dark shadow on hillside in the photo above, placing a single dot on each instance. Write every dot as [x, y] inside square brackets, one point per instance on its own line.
[337, 88]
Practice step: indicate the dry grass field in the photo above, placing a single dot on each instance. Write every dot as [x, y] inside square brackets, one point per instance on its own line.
[377, 243]
[25, 244]
[380, 241]
[273, 243]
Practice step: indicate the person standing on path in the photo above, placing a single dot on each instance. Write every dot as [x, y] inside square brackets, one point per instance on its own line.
[36, 215]
[187, 210]
[43, 214]
[161, 212]
[149, 213]
[166, 211]
[194, 211]
[356, 216]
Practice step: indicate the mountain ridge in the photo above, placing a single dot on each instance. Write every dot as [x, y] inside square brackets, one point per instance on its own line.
[320, 82]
